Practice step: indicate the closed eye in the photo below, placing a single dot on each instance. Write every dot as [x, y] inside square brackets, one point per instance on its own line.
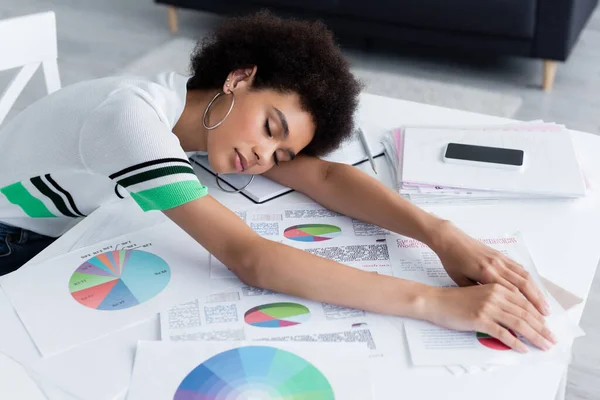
[268, 130]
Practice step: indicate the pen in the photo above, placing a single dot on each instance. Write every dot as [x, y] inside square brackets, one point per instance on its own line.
[365, 144]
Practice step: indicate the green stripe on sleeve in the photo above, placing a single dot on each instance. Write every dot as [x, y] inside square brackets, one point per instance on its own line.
[155, 173]
[20, 196]
[169, 195]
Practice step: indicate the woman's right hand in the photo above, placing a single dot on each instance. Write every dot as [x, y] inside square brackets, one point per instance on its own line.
[491, 309]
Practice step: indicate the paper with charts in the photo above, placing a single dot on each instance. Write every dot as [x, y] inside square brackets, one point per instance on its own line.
[88, 293]
[249, 370]
[319, 231]
[306, 223]
[433, 345]
[255, 314]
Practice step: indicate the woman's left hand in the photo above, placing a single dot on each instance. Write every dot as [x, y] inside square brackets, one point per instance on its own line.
[468, 261]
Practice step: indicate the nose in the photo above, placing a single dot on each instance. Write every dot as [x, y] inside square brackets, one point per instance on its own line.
[264, 152]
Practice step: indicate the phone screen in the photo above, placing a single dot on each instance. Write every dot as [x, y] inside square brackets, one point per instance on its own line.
[494, 155]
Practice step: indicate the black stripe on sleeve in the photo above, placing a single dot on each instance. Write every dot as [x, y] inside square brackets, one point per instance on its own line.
[56, 199]
[67, 194]
[147, 164]
[155, 173]
[117, 191]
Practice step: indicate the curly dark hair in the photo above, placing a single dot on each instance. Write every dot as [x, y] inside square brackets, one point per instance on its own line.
[292, 56]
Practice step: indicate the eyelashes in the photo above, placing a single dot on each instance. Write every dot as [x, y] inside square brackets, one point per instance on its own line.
[268, 130]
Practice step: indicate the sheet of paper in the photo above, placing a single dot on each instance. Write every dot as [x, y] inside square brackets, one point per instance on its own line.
[315, 229]
[118, 218]
[16, 383]
[414, 260]
[122, 395]
[97, 370]
[249, 370]
[308, 223]
[441, 191]
[368, 254]
[391, 156]
[51, 391]
[101, 369]
[91, 292]
[258, 315]
[433, 345]
[565, 298]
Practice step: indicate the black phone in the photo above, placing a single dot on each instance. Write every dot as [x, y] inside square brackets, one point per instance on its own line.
[469, 154]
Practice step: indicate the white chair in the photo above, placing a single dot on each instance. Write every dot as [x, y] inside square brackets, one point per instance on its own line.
[28, 42]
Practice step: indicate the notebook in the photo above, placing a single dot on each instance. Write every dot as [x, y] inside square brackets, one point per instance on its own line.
[263, 189]
[551, 166]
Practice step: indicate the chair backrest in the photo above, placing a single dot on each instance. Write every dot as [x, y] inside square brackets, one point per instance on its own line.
[27, 42]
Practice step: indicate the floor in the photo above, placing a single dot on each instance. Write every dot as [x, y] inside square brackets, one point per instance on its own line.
[97, 38]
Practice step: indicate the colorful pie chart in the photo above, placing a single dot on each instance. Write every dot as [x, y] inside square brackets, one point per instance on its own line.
[119, 279]
[312, 232]
[492, 342]
[277, 315]
[255, 373]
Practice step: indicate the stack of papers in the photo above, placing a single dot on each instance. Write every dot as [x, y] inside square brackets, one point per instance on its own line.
[422, 175]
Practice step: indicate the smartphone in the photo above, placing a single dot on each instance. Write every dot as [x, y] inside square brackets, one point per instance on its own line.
[495, 157]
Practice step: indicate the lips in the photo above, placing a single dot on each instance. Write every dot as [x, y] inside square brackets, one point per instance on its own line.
[241, 163]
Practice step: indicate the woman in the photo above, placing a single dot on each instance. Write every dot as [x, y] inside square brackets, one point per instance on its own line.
[267, 96]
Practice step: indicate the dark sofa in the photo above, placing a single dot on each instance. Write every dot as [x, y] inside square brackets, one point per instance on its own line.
[542, 29]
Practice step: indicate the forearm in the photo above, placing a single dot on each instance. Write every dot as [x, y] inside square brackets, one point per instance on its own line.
[351, 192]
[285, 269]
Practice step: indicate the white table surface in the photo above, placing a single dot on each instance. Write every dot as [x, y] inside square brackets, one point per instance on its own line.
[561, 236]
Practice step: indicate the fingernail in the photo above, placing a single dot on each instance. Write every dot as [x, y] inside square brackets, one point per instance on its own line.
[553, 338]
[546, 345]
[546, 309]
[524, 348]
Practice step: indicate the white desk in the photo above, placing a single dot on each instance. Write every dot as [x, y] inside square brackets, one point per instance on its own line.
[562, 238]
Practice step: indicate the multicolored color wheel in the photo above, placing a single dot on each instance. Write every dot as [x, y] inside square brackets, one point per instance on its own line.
[257, 373]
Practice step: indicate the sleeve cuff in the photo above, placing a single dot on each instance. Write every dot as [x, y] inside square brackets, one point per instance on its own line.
[169, 195]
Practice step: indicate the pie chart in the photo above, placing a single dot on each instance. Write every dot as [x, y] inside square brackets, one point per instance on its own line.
[492, 342]
[119, 279]
[277, 315]
[312, 232]
[255, 373]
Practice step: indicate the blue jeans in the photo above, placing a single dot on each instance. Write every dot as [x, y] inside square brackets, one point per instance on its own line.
[17, 246]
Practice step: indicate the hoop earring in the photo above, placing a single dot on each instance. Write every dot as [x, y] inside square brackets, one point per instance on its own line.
[210, 105]
[219, 179]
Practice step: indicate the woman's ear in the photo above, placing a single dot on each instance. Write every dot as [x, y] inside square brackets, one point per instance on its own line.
[240, 78]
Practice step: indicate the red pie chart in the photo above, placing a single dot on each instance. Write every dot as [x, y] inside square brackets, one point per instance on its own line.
[491, 342]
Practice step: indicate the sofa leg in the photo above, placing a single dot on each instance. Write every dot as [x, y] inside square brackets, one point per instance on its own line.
[549, 74]
[172, 17]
